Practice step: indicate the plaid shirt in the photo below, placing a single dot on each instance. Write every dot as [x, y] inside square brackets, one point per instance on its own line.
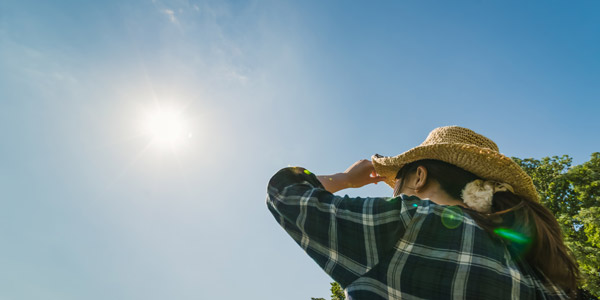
[400, 248]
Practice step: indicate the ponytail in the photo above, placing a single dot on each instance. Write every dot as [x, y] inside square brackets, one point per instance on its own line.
[539, 227]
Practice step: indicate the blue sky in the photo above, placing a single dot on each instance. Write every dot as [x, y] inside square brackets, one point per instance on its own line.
[93, 207]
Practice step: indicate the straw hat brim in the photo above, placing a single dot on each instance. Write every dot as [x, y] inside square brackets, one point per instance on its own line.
[483, 162]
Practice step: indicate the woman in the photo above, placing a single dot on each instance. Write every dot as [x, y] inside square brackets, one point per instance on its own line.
[465, 223]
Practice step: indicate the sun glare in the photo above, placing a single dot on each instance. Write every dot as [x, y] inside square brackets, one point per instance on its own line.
[166, 127]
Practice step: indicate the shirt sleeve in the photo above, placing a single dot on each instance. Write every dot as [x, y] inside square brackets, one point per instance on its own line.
[345, 236]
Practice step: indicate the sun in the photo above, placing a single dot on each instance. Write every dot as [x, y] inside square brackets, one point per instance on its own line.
[166, 126]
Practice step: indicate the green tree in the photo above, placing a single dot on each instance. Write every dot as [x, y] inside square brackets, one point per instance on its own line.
[573, 195]
[337, 293]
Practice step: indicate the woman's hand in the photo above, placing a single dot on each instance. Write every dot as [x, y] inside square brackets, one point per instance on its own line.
[362, 173]
[357, 175]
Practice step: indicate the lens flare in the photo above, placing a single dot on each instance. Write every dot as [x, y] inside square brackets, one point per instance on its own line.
[512, 235]
[452, 217]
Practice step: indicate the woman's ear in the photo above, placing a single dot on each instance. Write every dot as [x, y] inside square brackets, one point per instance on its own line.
[420, 178]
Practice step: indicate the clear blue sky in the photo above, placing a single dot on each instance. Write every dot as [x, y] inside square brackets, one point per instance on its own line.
[92, 206]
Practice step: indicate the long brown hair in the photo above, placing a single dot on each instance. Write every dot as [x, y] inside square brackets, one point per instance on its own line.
[546, 251]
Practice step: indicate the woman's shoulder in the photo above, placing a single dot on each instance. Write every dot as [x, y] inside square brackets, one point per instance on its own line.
[449, 233]
[451, 227]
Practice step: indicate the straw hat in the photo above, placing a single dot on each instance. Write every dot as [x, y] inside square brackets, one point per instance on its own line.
[466, 149]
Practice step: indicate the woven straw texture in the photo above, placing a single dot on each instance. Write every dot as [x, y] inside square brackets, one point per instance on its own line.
[466, 149]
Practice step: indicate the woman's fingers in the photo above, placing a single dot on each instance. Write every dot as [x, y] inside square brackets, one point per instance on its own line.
[362, 172]
[377, 179]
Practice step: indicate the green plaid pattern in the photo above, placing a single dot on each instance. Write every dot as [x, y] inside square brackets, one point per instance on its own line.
[400, 248]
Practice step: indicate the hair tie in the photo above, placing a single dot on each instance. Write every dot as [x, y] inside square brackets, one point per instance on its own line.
[478, 194]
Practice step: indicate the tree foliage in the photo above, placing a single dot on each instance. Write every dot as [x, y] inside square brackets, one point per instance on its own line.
[573, 196]
[337, 293]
